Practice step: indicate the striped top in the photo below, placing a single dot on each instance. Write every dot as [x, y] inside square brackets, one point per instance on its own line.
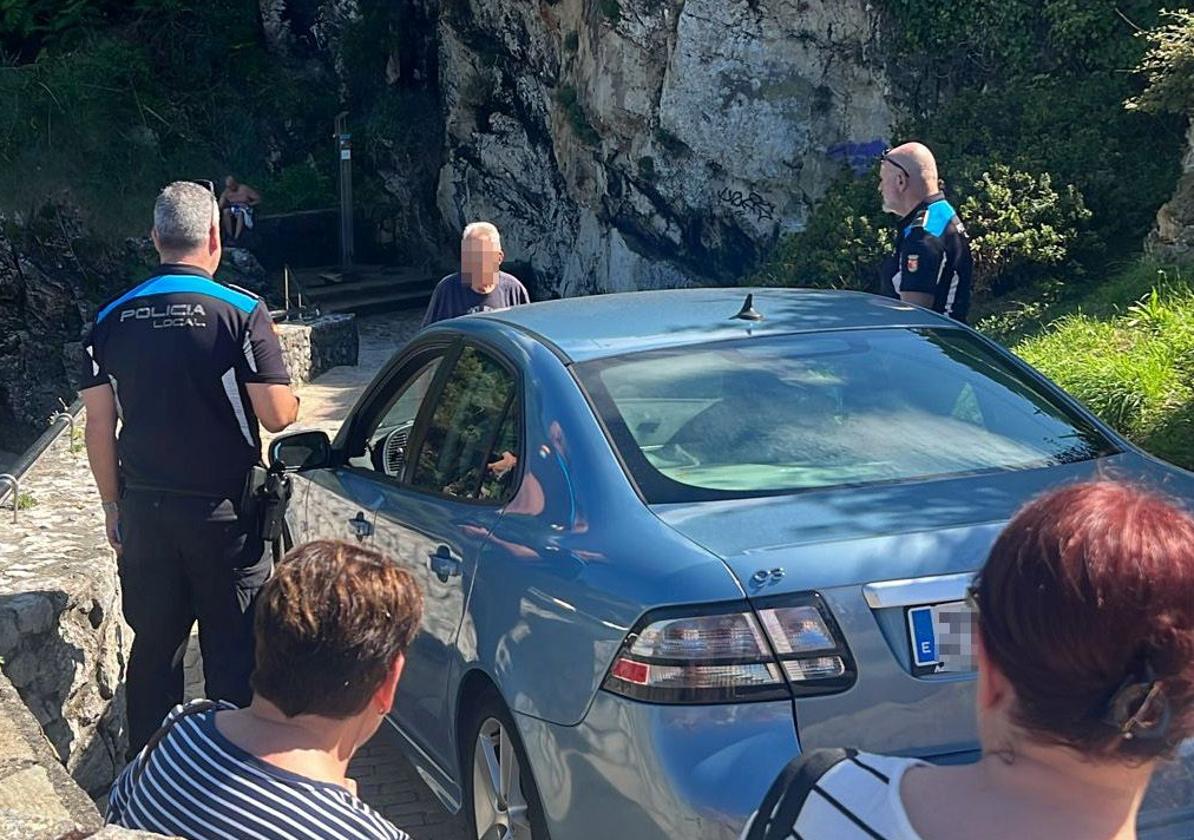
[199, 785]
[858, 799]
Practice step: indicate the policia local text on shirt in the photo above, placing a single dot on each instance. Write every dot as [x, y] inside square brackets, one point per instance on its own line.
[188, 366]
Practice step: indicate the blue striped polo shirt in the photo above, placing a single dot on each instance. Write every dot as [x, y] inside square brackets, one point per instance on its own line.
[199, 785]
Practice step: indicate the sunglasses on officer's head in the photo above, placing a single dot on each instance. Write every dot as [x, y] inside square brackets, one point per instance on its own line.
[886, 158]
[207, 185]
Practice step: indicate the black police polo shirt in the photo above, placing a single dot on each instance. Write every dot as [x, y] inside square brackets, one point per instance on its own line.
[177, 351]
[933, 254]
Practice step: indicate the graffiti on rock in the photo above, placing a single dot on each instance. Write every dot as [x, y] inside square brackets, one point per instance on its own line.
[752, 202]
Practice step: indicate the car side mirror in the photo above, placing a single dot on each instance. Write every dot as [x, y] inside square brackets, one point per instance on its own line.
[301, 451]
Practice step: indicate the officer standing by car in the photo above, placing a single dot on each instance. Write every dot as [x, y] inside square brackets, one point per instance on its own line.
[188, 366]
[932, 265]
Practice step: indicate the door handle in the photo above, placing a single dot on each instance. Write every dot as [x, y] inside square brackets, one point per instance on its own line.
[360, 526]
[443, 564]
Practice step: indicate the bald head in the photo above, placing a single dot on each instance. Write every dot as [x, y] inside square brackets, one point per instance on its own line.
[907, 176]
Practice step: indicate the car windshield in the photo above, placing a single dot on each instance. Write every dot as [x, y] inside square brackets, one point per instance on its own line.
[796, 412]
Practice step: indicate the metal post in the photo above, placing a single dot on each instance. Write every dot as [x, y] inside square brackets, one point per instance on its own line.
[286, 287]
[344, 149]
[16, 493]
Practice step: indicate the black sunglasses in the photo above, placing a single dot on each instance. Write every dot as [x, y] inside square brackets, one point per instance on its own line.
[886, 158]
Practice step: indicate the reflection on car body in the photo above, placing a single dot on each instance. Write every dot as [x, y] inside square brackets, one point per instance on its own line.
[664, 597]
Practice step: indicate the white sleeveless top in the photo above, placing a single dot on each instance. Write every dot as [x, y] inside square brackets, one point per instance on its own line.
[858, 799]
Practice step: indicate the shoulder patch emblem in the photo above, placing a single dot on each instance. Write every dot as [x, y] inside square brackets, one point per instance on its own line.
[912, 263]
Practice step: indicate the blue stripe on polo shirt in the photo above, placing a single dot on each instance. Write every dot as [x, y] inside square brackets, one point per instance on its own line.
[166, 284]
[937, 219]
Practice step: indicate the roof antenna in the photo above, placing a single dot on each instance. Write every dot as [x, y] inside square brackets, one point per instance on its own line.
[748, 311]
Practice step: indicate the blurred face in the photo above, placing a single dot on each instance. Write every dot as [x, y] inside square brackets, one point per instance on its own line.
[230, 183]
[892, 185]
[480, 260]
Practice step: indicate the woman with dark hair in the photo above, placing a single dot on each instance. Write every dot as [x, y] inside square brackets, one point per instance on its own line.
[1085, 648]
[332, 627]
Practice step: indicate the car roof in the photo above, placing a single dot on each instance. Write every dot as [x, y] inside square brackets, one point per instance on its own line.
[597, 326]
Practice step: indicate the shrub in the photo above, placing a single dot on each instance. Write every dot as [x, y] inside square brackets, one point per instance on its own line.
[841, 248]
[577, 118]
[1168, 67]
[611, 9]
[1019, 226]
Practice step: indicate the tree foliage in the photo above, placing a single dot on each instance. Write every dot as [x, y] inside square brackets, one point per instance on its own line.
[1168, 67]
[1022, 101]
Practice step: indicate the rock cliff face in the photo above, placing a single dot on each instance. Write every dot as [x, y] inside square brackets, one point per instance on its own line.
[52, 277]
[623, 144]
[1173, 236]
[48, 270]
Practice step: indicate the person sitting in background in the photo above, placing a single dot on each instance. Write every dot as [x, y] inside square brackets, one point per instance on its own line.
[236, 207]
[1085, 650]
[332, 627]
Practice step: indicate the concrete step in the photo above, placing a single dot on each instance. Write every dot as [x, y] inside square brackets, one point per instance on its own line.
[365, 286]
[364, 290]
[383, 301]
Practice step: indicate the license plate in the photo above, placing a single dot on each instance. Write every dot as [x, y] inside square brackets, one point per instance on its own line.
[942, 637]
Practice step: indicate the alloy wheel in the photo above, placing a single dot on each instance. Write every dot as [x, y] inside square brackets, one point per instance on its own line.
[499, 806]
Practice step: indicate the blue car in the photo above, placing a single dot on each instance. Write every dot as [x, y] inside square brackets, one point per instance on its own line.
[668, 540]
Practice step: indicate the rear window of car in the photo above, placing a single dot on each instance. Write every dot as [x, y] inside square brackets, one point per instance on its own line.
[781, 414]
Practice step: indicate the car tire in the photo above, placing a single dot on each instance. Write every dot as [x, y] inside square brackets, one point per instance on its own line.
[501, 800]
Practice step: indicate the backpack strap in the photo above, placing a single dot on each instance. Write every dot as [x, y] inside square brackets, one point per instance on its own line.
[776, 817]
[196, 708]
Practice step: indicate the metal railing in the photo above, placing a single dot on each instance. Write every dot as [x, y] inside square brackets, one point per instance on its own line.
[60, 421]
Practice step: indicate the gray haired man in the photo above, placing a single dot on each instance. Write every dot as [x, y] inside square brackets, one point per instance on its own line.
[186, 368]
[480, 285]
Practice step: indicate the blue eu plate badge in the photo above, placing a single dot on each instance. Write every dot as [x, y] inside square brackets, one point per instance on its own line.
[924, 637]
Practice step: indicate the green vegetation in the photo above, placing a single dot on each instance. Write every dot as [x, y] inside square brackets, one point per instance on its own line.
[572, 41]
[111, 100]
[1125, 348]
[1023, 103]
[611, 9]
[25, 501]
[1168, 67]
[577, 118]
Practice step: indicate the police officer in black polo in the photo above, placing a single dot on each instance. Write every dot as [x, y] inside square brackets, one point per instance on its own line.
[189, 367]
[932, 265]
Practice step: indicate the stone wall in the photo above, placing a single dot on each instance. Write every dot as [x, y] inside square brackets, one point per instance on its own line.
[319, 345]
[38, 799]
[62, 638]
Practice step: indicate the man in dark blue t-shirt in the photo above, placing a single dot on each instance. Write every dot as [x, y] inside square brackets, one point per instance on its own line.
[480, 285]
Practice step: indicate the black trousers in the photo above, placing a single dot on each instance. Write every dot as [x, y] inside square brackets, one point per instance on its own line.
[184, 559]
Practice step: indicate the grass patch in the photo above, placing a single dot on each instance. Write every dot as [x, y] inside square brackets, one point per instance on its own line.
[25, 501]
[1125, 349]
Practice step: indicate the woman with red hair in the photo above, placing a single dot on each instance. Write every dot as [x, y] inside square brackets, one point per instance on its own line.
[1085, 650]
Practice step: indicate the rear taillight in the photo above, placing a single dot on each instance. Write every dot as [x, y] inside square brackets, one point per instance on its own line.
[731, 654]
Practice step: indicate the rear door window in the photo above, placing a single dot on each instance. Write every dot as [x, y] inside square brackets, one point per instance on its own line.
[800, 412]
